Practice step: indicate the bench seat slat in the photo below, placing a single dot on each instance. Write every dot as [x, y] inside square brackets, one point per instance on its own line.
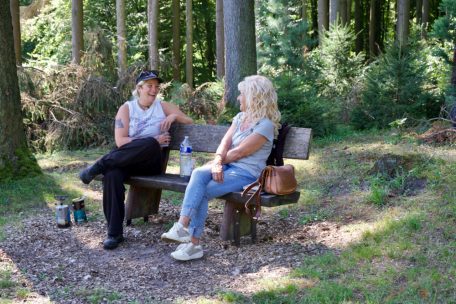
[174, 182]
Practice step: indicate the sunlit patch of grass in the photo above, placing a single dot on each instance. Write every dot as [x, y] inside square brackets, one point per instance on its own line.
[22, 293]
[232, 297]
[98, 295]
[175, 198]
[6, 280]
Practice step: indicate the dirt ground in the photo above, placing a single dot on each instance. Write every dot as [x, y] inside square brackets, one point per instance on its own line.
[66, 265]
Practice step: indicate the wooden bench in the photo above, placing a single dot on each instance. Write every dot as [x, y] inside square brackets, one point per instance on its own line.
[145, 191]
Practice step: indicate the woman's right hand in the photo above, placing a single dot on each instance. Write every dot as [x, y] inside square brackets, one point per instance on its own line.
[163, 139]
[217, 169]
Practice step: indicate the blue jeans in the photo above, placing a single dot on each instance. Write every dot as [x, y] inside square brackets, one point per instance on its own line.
[202, 188]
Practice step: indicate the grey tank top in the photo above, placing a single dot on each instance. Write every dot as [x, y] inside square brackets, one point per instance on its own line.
[145, 123]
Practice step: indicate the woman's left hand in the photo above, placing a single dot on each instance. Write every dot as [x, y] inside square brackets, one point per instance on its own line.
[166, 123]
[217, 170]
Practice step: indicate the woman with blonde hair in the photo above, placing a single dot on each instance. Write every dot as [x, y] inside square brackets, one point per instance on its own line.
[141, 127]
[239, 160]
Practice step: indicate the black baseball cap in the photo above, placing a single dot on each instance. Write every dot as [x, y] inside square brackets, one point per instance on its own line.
[147, 75]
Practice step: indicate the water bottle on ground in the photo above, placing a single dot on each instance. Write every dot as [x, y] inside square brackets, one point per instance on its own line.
[186, 163]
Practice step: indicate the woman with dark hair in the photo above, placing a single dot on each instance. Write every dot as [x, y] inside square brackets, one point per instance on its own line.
[141, 126]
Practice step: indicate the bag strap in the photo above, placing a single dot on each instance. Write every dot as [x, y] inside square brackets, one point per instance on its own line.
[257, 194]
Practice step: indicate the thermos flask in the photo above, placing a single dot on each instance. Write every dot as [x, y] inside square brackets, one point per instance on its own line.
[79, 213]
[62, 212]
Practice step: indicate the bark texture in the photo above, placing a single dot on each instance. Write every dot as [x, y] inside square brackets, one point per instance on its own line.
[77, 38]
[220, 39]
[121, 37]
[189, 42]
[240, 52]
[15, 159]
[425, 18]
[403, 17]
[14, 5]
[334, 13]
[374, 27]
[323, 17]
[152, 17]
[176, 40]
[359, 42]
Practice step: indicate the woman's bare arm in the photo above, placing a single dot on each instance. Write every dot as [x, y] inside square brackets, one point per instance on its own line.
[121, 126]
[249, 145]
[173, 113]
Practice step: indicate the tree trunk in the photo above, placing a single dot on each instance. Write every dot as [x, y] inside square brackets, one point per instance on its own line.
[349, 11]
[176, 39]
[121, 37]
[425, 18]
[14, 6]
[77, 38]
[15, 159]
[343, 11]
[209, 29]
[303, 12]
[189, 42]
[334, 13]
[314, 18]
[403, 17]
[152, 18]
[453, 74]
[323, 18]
[453, 84]
[220, 39]
[359, 42]
[374, 28]
[419, 11]
[241, 60]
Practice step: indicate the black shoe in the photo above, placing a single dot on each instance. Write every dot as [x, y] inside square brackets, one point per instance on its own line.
[89, 173]
[112, 242]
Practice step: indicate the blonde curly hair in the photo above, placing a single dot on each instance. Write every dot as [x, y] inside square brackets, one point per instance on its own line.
[261, 100]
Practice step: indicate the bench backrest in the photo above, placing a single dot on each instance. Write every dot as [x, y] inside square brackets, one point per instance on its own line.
[206, 138]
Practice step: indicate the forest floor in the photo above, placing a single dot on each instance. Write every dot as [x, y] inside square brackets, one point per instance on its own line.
[354, 236]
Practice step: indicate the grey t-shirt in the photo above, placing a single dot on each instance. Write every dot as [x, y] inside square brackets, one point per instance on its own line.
[256, 161]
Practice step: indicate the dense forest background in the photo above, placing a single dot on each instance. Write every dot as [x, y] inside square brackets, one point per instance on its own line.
[337, 65]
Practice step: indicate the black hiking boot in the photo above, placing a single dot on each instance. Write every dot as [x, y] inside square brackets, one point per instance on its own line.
[112, 242]
[89, 173]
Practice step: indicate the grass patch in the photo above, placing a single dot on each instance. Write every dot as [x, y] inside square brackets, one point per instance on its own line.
[232, 297]
[6, 280]
[404, 250]
[98, 295]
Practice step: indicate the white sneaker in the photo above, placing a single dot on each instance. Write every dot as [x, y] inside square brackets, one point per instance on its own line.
[186, 252]
[177, 234]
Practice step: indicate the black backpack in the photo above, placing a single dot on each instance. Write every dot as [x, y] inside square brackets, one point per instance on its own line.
[276, 156]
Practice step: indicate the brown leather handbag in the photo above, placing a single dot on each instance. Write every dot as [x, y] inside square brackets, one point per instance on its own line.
[278, 180]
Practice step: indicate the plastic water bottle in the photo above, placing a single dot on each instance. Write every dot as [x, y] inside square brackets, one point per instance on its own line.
[186, 163]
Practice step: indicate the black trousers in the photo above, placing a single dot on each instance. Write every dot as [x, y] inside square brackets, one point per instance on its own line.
[139, 157]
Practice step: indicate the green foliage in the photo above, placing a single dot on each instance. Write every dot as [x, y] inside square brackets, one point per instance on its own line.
[300, 104]
[396, 88]
[47, 37]
[341, 71]
[444, 27]
[282, 34]
[23, 164]
[68, 109]
[328, 293]
[282, 57]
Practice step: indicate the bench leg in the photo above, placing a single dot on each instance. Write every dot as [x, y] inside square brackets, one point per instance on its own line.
[141, 202]
[235, 222]
[253, 230]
